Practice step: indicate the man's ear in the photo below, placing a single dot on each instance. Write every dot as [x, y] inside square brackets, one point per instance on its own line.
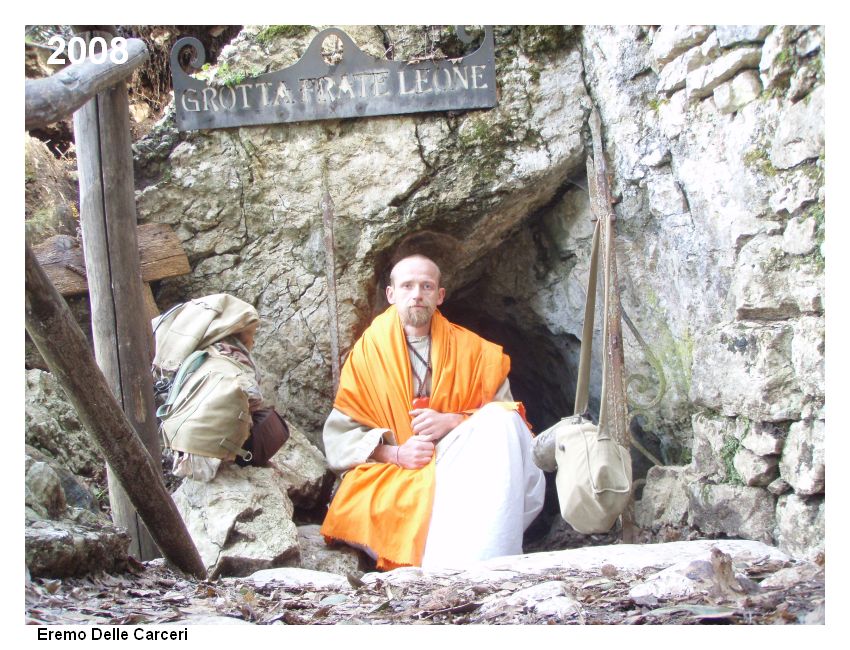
[390, 297]
[441, 295]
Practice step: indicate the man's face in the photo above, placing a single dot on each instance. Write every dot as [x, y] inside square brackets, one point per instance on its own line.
[415, 291]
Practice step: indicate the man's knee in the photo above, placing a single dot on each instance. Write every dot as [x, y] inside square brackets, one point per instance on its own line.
[493, 414]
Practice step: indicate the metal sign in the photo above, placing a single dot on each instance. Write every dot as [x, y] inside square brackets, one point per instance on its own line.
[354, 85]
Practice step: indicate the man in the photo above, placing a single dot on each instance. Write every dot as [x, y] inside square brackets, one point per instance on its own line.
[435, 454]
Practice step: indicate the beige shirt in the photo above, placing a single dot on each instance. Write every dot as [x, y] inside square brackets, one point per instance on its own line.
[349, 443]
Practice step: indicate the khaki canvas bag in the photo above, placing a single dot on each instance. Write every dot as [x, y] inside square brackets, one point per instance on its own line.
[196, 324]
[594, 472]
[206, 411]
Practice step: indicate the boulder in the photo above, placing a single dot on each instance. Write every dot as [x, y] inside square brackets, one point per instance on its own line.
[801, 525]
[241, 521]
[52, 426]
[317, 555]
[729, 35]
[296, 578]
[671, 40]
[59, 549]
[732, 510]
[753, 469]
[702, 81]
[665, 500]
[800, 133]
[43, 490]
[304, 471]
[745, 368]
[731, 96]
[803, 458]
[769, 286]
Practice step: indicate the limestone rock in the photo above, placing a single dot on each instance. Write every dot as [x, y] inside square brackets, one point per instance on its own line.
[631, 558]
[730, 35]
[672, 40]
[768, 286]
[807, 356]
[295, 578]
[52, 425]
[715, 441]
[777, 63]
[800, 133]
[702, 81]
[304, 470]
[732, 95]
[59, 549]
[753, 469]
[664, 500]
[809, 42]
[241, 521]
[801, 525]
[779, 487]
[736, 511]
[547, 598]
[77, 493]
[803, 457]
[795, 189]
[763, 439]
[802, 572]
[43, 490]
[316, 555]
[746, 369]
[799, 236]
[686, 578]
[51, 193]
[672, 77]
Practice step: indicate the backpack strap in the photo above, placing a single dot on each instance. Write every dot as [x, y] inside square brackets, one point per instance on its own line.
[190, 365]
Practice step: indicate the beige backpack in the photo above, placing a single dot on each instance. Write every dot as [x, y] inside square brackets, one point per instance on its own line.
[206, 411]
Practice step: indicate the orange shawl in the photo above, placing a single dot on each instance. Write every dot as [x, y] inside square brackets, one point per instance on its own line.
[381, 505]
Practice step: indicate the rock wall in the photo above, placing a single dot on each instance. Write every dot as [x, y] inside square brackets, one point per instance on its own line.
[715, 138]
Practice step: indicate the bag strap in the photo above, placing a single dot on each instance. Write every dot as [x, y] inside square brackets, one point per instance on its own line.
[190, 365]
[582, 385]
[587, 331]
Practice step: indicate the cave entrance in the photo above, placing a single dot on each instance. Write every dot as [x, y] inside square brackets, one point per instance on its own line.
[543, 365]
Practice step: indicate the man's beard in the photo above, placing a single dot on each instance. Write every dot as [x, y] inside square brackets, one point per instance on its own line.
[418, 317]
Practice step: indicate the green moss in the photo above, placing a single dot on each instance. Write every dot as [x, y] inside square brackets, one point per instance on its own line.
[758, 159]
[267, 35]
[656, 103]
[227, 76]
[537, 40]
[727, 454]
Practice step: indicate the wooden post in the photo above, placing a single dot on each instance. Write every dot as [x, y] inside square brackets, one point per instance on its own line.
[121, 330]
[64, 347]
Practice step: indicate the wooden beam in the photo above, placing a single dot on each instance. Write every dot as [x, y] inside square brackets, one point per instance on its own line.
[121, 333]
[64, 347]
[56, 97]
[161, 255]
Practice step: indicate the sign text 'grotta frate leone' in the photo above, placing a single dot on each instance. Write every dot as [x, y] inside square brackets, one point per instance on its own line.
[353, 85]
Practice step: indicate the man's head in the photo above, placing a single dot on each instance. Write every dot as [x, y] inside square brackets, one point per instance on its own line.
[415, 291]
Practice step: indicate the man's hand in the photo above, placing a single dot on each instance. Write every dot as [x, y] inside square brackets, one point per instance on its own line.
[415, 453]
[432, 425]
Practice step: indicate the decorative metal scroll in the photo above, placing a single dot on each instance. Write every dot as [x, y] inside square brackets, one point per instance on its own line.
[355, 85]
[642, 382]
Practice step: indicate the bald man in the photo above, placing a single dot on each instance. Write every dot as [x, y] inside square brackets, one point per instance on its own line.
[434, 453]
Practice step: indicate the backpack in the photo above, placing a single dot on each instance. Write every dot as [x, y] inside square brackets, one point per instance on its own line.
[206, 411]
